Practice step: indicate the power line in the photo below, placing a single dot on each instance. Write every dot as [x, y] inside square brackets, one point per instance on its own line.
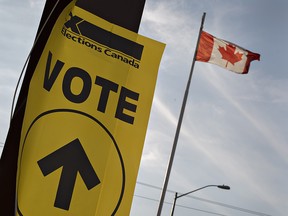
[182, 206]
[230, 206]
[153, 186]
[208, 212]
[210, 201]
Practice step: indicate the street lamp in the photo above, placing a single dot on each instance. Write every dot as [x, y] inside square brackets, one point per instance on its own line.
[225, 187]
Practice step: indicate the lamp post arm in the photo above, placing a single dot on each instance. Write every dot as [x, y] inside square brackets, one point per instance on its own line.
[225, 187]
[196, 190]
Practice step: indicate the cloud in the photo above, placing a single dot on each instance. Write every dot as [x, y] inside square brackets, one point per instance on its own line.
[252, 114]
[36, 3]
[164, 111]
[212, 146]
[267, 128]
[158, 22]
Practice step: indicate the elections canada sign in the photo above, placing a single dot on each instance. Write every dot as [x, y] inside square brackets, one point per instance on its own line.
[112, 45]
[86, 117]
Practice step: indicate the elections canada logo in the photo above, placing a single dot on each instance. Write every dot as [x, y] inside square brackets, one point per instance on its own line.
[112, 45]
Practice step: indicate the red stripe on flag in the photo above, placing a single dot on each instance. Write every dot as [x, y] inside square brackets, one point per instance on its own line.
[205, 47]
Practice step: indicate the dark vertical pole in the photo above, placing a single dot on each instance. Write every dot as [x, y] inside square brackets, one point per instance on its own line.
[9, 157]
[174, 203]
[125, 13]
[164, 189]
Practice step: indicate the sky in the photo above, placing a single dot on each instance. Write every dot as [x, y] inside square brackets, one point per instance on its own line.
[235, 127]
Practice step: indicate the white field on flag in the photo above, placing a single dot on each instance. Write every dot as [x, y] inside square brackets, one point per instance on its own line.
[228, 56]
[225, 54]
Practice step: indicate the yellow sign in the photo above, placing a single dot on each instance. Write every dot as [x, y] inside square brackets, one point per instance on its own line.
[86, 117]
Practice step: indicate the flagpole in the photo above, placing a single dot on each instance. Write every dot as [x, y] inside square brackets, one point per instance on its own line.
[168, 171]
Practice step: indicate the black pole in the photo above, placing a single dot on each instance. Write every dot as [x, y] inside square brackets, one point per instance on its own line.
[164, 189]
[174, 203]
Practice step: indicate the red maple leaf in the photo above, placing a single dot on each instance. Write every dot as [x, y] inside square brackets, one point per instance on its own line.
[229, 54]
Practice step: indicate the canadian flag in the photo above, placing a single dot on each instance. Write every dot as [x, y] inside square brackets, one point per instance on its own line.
[224, 54]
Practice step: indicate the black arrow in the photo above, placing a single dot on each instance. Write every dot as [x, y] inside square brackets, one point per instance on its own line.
[73, 159]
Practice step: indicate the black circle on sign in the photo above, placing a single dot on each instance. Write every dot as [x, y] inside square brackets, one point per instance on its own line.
[103, 127]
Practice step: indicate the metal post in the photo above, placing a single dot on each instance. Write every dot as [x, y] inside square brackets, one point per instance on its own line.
[174, 203]
[168, 171]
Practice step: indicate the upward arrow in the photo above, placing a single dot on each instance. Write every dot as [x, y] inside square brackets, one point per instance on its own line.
[73, 159]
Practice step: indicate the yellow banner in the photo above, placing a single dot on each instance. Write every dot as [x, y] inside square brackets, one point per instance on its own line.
[86, 117]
